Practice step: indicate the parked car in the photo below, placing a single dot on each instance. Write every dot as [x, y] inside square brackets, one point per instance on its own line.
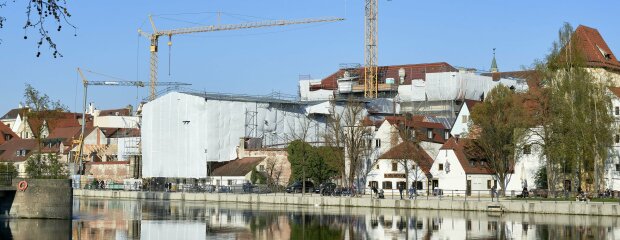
[326, 189]
[297, 186]
[248, 187]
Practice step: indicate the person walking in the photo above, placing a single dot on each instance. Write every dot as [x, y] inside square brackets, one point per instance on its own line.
[400, 189]
[411, 191]
[493, 192]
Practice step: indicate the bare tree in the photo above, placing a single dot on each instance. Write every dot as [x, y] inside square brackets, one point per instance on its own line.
[345, 131]
[38, 15]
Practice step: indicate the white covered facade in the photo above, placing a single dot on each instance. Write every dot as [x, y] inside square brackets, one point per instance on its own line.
[181, 132]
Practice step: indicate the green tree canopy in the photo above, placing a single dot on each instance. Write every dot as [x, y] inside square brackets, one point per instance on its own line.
[501, 120]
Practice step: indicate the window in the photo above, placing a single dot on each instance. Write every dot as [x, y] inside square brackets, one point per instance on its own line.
[618, 167]
[387, 185]
[419, 185]
[465, 118]
[472, 162]
[446, 134]
[617, 111]
[261, 168]
[377, 166]
[527, 149]
[373, 184]
[488, 184]
[617, 138]
[394, 166]
[230, 182]
[440, 167]
[18, 153]
[377, 143]
[429, 133]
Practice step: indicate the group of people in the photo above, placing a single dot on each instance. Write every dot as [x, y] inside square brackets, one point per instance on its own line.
[412, 192]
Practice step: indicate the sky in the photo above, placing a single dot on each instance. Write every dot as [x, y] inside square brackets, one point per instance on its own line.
[259, 61]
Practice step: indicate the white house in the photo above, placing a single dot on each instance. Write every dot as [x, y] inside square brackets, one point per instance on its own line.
[529, 160]
[612, 166]
[390, 170]
[236, 172]
[463, 121]
[455, 171]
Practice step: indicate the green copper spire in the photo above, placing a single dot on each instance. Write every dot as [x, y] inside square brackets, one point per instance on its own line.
[494, 63]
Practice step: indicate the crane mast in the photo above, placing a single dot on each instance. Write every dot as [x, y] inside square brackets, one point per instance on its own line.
[371, 83]
[154, 37]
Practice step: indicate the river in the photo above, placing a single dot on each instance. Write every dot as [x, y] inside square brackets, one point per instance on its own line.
[151, 219]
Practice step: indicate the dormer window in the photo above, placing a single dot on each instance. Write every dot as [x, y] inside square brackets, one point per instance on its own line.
[429, 133]
[605, 54]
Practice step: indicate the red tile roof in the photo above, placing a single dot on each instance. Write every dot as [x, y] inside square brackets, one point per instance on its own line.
[594, 48]
[409, 150]
[615, 91]
[6, 133]
[239, 167]
[471, 104]
[8, 151]
[13, 113]
[421, 126]
[413, 71]
[465, 155]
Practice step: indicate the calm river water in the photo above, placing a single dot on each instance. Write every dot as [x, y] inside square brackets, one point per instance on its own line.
[141, 219]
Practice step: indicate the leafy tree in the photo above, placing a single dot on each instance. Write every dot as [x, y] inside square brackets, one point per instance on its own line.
[302, 154]
[541, 178]
[501, 120]
[298, 153]
[45, 166]
[577, 124]
[257, 177]
[39, 13]
[8, 168]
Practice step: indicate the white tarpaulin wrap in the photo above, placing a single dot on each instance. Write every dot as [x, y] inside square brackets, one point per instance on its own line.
[157, 230]
[452, 86]
[181, 132]
[321, 108]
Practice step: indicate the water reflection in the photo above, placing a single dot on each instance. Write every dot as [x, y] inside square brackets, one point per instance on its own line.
[126, 219]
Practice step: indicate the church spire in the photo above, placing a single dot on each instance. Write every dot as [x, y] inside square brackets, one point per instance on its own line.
[494, 63]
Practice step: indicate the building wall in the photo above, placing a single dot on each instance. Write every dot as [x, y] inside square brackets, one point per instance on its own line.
[527, 165]
[384, 166]
[461, 124]
[113, 171]
[279, 159]
[605, 76]
[181, 132]
[116, 121]
[452, 179]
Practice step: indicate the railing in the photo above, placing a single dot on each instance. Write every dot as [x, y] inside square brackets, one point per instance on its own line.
[423, 194]
[6, 179]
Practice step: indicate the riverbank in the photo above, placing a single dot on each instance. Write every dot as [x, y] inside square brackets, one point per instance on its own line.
[484, 205]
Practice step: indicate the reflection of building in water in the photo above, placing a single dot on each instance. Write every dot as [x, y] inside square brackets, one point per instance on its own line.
[115, 219]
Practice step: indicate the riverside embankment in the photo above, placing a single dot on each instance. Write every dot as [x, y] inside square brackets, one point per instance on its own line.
[512, 206]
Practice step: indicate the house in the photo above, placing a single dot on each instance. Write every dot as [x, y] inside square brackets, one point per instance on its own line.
[17, 151]
[275, 165]
[114, 118]
[529, 159]
[14, 117]
[390, 171]
[599, 59]
[235, 172]
[457, 171]
[612, 164]
[463, 120]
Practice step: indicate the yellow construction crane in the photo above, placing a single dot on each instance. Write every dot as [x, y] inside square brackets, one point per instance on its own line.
[154, 36]
[87, 83]
[371, 83]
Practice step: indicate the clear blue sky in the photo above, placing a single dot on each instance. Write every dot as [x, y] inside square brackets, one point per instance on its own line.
[462, 33]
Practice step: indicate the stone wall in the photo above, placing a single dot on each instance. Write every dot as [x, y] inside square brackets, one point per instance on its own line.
[44, 198]
[518, 206]
[115, 171]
